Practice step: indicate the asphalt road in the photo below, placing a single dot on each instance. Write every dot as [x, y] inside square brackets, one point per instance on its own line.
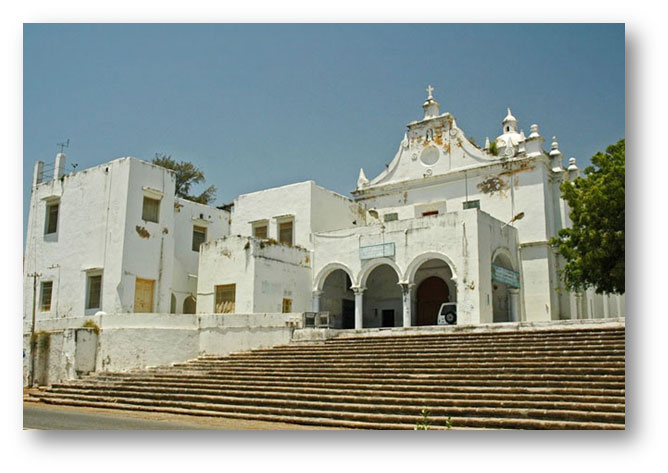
[48, 417]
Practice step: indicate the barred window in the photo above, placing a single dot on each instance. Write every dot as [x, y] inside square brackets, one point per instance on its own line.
[260, 231]
[51, 225]
[225, 299]
[287, 306]
[94, 292]
[151, 210]
[199, 236]
[45, 299]
[285, 235]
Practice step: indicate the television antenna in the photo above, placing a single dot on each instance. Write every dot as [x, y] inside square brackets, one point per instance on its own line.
[64, 145]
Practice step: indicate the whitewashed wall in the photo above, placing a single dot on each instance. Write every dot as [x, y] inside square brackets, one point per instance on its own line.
[314, 208]
[136, 341]
[264, 273]
[186, 261]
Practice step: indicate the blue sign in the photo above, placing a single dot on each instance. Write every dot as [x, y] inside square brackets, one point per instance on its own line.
[377, 251]
[505, 275]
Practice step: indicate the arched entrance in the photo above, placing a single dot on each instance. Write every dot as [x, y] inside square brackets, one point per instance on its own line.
[435, 285]
[503, 275]
[189, 305]
[383, 305]
[431, 293]
[338, 299]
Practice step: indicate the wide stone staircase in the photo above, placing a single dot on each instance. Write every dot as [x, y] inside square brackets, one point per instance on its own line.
[552, 378]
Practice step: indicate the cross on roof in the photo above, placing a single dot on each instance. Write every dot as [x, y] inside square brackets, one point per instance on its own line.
[430, 90]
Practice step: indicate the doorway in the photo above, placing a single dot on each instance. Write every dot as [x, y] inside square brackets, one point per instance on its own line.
[144, 295]
[431, 293]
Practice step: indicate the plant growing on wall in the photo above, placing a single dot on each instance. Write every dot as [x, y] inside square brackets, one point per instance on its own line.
[187, 175]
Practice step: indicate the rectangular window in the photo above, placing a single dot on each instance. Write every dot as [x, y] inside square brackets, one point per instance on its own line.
[225, 299]
[287, 306]
[471, 204]
[94, 293]
[429, 213]
[45, 298]
[285, 233]
[151, 210]
[51, 225]
[199, 236]
[260, 231]
[390, 217]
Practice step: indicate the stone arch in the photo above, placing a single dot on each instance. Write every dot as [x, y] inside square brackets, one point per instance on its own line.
[383, 301]
[409, 275]
[373, 264]
[327, 270]
[504, 253]
[189, 305]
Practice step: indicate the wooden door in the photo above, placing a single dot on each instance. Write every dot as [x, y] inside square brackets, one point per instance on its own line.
[144, 295]
[431, 293]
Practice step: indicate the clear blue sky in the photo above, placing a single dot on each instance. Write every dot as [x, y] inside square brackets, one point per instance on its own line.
[258, 106]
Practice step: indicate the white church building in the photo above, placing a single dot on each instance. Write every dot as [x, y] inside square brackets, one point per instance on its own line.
[445, 222]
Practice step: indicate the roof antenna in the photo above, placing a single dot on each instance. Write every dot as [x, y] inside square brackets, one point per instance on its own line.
[64, 145]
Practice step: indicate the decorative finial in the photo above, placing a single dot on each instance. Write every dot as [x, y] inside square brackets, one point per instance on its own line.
[430, 91]
[534, 131]
[555, 147]
[362, 180]
[572, 166]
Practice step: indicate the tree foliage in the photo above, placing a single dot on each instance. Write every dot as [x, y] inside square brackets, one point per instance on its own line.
[187, 175]
[594, 246]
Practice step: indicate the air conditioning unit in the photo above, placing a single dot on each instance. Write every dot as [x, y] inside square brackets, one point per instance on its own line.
[447, 314]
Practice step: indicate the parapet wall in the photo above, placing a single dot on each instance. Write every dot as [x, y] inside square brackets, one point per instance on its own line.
[122, 342]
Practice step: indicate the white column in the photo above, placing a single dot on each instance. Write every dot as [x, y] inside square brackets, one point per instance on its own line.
[606, 305]
[38, 173]
[406, 291]
[578, 305]
[316, 301]
[59, 169]
[359, 306]
[514, 304]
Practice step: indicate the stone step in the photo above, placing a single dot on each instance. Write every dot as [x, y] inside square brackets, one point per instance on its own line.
[547, 379]
[614, 395]
[609, 368]
[449, 343]
[516, 351]
[381, 417]
[241, 397]
[616, 382]
[566, 374]
[416, 361]
[316, 393]
[388, 336]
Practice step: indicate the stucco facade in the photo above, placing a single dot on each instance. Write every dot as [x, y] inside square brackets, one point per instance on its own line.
[102, 230]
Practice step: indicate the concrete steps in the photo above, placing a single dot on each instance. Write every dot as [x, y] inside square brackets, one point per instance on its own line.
[543, 379]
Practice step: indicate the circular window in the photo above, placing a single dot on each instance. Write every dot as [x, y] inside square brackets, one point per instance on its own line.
[429, 156]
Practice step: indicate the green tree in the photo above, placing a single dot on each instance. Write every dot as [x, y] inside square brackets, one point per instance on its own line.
[187, 175]
[594, 246]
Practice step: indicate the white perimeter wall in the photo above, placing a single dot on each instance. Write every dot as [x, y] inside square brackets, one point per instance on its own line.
[132, 341]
